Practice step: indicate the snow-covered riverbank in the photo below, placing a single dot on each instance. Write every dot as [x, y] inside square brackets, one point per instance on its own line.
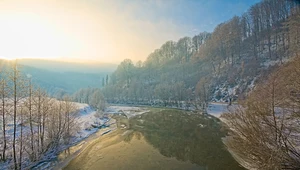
[88, 116]
[217, 109]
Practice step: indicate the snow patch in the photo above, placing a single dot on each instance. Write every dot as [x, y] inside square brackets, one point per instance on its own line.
[217, 109]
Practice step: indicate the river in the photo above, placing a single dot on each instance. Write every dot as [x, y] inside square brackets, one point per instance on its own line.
[158, 139]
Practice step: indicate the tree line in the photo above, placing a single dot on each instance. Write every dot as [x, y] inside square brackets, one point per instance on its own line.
[91, 96]
[32, 124]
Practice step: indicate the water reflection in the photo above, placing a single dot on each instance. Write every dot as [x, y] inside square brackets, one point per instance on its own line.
[186, 137]
[168, 139]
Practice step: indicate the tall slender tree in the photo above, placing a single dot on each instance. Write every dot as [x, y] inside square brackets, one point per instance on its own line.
[4, 95]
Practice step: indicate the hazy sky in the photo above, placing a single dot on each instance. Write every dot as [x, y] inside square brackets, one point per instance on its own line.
[105, 30]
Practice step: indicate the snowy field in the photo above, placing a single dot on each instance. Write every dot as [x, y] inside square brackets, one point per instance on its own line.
[88, 116]
[216, 109]
[127, 110]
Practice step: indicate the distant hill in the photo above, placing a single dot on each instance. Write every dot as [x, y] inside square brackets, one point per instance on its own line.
[63, 82]
[63, 66]
[59, 78]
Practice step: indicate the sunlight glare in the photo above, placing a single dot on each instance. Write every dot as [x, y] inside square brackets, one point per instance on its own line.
[7, 58]
[28, 36]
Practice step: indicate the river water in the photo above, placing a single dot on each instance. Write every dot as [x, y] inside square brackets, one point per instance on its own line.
[160, 139]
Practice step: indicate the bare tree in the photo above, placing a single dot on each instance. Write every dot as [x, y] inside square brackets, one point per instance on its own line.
[69, 111]
[21, 138]
[29, 105]
[46, 108]
[18, 87]
[39, 102]
[4, 95]
[263, 130]
[203, 92]
[293, 25]
[14, 77]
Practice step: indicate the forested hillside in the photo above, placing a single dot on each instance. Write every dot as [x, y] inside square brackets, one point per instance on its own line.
[221, 66]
